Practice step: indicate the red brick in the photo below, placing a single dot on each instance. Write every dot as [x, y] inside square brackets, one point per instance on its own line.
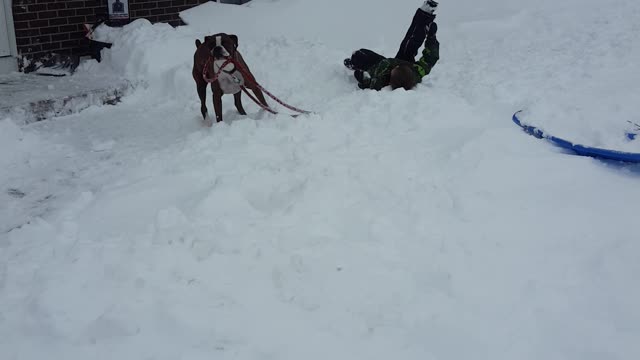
[27, 33]
[68, 28]
[25, 16]
[67, 12]
[75, 4]
[36, 8]
[23, 41]
[18, 25]
[41, 39]
[38, 23]
[85, 11]
[47, 14]
[76, 35]
[175, 10]
[58, 21]
[157, 11]
[60, 37]
[50, 30]
[51, 46]
[56, 5]
[19, 9]
[76, 20]
[150, 5]
[33, 48]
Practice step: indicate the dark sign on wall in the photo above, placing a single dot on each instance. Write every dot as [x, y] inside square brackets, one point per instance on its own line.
[118, 9]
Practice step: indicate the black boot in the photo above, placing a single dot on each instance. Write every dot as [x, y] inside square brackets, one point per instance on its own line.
[429, 6]
[349, 64]
[363, 59]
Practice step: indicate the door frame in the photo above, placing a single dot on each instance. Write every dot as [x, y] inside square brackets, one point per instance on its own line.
[9, 63]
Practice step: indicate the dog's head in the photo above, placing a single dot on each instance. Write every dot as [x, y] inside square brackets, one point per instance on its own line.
[222, 45]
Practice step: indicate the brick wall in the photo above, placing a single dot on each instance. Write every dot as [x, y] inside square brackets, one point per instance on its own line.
[161, 11]
[55, 26]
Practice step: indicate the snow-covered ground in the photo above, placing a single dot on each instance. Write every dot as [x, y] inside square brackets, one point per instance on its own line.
[387, 225]
[28, 98]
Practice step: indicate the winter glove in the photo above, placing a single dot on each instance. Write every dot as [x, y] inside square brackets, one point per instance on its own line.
[364, 79]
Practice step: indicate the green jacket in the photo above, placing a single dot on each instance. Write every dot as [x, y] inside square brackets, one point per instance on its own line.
[380, 73]
[430, 56]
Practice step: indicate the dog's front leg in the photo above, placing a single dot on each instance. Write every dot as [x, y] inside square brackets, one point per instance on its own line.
[237, 97]
[217, 103]
[202, 94]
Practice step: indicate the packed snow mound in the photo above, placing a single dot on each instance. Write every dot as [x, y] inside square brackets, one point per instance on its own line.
[580, 74]
[572, 74]
[27, 161]
[569, 65]
[13, 142]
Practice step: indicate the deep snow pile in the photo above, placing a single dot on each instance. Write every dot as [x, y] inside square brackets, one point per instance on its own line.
[569, 67]
[390, 225]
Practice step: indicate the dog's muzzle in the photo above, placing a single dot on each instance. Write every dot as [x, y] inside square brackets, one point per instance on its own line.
[220, 52]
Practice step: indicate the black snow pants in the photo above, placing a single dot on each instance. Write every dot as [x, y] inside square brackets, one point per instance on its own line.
[365, 59]
[415, 36]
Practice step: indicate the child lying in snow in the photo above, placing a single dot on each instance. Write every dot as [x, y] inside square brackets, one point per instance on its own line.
[374, 71]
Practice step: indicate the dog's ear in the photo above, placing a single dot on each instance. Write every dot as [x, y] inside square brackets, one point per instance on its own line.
[198, 43]
[235, 39]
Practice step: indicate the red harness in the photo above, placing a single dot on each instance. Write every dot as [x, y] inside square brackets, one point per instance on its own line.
[205, 71]
[247, 77]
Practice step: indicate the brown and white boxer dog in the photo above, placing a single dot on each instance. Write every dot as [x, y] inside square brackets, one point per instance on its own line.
[220, 47]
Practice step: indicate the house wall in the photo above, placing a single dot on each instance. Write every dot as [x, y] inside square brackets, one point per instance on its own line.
[43, 27]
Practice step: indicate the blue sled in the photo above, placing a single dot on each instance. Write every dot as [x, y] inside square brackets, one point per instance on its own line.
[578, 149]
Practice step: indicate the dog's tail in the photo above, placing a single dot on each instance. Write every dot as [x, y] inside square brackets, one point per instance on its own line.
[198, 43]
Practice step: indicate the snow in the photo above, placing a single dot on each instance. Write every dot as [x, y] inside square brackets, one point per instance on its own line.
[407, 225]
[28, 98]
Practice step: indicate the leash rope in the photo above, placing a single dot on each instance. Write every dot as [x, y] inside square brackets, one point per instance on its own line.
[248, 77]
[205, 71]
[252, 97]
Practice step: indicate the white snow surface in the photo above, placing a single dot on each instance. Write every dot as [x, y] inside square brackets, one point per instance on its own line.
[386, 225]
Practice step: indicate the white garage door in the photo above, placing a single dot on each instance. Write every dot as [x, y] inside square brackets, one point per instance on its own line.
[4, 31]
